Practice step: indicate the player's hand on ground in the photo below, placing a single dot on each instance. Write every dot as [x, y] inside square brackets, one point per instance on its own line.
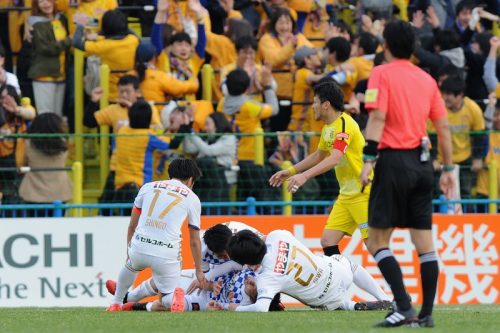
[364, 178]
[295, 182]
[447, 184]
[279, 177]
[214, 306]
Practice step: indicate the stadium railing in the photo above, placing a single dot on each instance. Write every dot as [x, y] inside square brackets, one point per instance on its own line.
[76, 171]
[250, 207]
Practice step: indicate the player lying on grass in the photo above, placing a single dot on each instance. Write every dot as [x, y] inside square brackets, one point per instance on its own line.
[284, 265]
[236, 287]
[215, 261]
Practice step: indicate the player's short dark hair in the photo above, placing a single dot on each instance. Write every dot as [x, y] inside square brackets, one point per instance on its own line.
[368, 42]
[328, 90]
[453, 85]
[217, 238]
[129, 79]
[237, 82]
[340, 46]
[400, 39]
[246, 248]
[139, 114]
[463, 5]
[245, 42]
[180, 37]
[2, 50]
[447, 39]
[183, 169]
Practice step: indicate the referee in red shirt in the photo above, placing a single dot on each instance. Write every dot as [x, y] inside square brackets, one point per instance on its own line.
[400, 99]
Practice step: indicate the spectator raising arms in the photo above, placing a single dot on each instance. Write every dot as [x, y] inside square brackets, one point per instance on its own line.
[158, 86]
[46, 186]
[277, 47]
[48, 66]
[116, 49]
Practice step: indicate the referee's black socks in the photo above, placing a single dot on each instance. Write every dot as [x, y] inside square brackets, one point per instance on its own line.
[331, 250]
[391, 271]
[429, 272]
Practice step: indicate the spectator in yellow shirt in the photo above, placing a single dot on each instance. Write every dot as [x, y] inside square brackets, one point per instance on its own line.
[338, 50]
[89, 10]
[363, 53]
[277, 47]
[245, 116]
[464, 115]
[308, 61]
[116, 49]
[115, 116]
[156, 85]
[493, 154]
[175, 52]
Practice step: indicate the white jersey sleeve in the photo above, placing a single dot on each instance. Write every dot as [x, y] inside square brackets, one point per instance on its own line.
[139, 199]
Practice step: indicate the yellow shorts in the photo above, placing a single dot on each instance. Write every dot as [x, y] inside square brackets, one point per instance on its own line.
[347, 215]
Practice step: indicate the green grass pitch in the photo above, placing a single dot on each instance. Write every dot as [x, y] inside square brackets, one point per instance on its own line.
[453, 319]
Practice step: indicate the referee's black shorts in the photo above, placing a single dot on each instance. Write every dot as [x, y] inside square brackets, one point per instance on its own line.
[401, 194]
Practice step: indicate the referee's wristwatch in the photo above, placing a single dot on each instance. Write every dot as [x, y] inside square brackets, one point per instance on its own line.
[448, 168]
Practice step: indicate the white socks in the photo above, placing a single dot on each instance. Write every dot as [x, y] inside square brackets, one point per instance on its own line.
[125, 279]
[143, 290]
[365, 281]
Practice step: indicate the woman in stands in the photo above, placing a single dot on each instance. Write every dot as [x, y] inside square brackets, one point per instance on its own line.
[48, 63]
[46, 152]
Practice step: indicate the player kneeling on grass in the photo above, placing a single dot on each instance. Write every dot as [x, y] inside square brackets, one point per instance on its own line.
[215, 261]
[284, 265]
[154, 231]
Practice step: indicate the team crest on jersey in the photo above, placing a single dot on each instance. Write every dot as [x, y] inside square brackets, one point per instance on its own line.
[282, 259]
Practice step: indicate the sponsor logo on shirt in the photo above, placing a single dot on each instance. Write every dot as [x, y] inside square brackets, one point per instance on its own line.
[282, 259]
[169, 187]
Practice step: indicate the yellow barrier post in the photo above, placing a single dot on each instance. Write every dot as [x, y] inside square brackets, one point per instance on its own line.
[493, 185]
[403, 9]
[104, 130]
[496, 28]
[287, 196]
[207, 76]
[77, 175]
[259, 146]
[78, 105]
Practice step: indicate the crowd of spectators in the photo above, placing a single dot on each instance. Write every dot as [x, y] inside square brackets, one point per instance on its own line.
[267, 56]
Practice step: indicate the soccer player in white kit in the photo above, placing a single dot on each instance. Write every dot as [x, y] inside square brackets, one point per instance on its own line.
[215, 261]
[285, 265]
[154, 234]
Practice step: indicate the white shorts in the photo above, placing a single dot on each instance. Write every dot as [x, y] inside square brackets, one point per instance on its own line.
[166, 274]
[197, 302]
[343, 271]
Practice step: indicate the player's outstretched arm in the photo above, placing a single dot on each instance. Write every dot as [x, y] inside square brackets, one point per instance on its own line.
[279, 177]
